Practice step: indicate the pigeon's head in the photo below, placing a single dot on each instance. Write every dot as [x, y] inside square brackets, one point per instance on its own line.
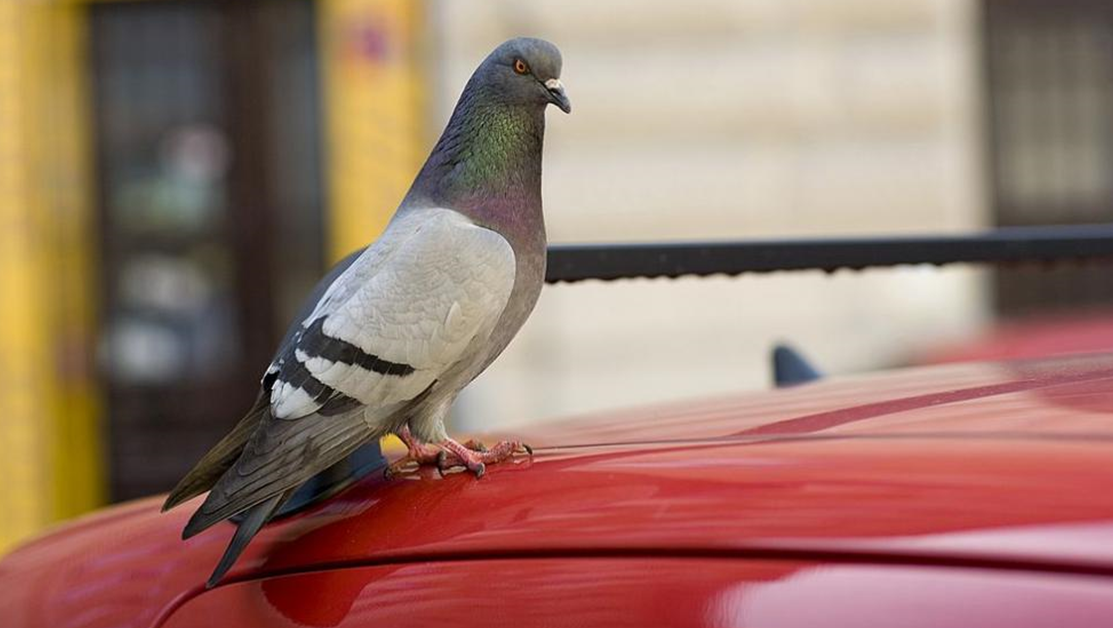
[525, 71]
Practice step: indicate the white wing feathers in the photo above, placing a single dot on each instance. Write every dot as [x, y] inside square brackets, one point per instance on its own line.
[410, 308]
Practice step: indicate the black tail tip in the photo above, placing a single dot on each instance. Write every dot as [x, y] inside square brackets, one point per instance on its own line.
[173, 500]
[191, 529]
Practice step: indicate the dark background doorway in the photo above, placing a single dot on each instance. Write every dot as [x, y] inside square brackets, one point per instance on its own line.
[1049, 80]
[208, 125]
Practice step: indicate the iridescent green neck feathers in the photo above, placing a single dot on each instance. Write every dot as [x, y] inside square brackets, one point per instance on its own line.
[488, 156]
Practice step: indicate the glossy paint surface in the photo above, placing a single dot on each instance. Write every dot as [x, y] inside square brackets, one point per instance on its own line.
[655, 592]
[1032, 338]
[999, 470]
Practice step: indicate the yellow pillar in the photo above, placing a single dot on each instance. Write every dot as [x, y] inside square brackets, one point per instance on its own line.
[24, 364]
[48, 420]
[374, 113]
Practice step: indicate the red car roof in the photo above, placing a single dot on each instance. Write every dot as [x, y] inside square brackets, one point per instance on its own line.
[1002, 465]
[1029, 338]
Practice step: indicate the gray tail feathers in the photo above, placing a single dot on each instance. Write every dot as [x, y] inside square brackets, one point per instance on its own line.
[219, 459]
[255, 518]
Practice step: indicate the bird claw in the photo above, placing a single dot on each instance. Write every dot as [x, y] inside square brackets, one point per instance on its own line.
[475, 445]
[398, 467]
[417, 453]
[475, 456]
[448, 459]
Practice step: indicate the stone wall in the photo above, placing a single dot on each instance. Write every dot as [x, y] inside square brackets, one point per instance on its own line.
[725, 119]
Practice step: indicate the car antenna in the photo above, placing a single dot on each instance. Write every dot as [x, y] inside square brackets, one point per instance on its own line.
[791, 368]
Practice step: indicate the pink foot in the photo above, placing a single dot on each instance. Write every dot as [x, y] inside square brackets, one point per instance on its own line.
[419, 453]
[476, 457]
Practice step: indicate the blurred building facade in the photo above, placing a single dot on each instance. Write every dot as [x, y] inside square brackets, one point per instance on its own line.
[723, 119]
[175, 175]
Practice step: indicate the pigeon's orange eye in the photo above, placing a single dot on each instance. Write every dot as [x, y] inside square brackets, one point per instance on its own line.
[520, 66]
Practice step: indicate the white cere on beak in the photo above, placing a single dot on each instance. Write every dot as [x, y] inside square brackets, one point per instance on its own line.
[554, 84]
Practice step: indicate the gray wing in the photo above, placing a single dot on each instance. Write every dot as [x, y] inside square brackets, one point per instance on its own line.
[223, 455]
[400, 316]
[310, 303]
[418, 302]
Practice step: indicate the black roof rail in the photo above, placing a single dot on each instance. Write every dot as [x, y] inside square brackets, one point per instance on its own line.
[1008, 245]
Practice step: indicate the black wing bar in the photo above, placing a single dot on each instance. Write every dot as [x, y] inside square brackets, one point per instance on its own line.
[1010, 245]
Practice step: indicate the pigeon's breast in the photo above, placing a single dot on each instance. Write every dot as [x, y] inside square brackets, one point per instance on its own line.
[529, 277]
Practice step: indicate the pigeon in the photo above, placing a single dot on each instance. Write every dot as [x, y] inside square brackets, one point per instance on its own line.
[393, 333]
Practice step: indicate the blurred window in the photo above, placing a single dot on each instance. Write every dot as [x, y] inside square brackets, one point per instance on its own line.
[207, 138]
[1049, 72]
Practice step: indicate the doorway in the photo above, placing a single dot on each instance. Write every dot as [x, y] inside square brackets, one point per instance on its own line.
[210, 202]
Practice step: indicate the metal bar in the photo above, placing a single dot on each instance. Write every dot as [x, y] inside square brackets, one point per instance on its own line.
[1012, 245]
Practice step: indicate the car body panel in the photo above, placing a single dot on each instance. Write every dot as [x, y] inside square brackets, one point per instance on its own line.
[640, 592]
[983, 466]
[1038, 336]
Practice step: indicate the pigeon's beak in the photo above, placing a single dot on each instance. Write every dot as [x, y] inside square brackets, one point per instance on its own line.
[557, 95]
